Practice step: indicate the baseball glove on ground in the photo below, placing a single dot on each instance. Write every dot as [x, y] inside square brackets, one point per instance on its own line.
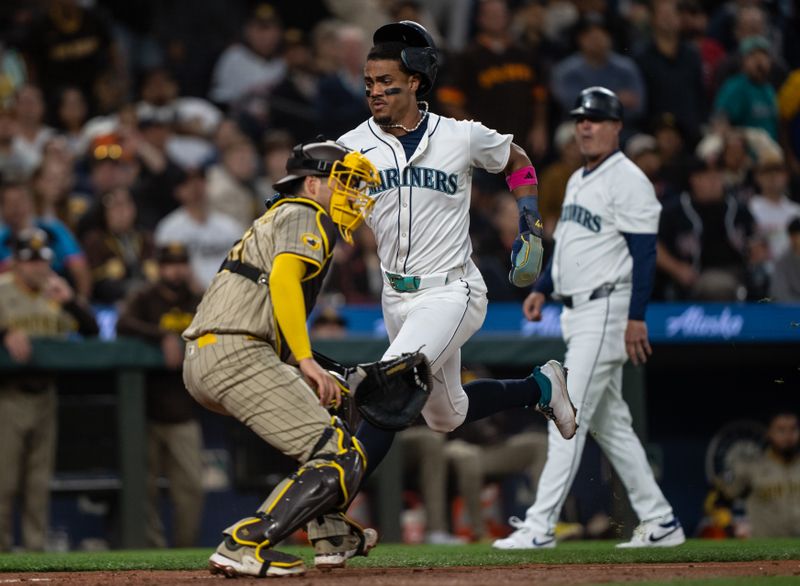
[394, 391]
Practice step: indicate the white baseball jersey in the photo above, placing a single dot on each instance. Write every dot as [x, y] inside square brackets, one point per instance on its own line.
[590, 249]
[421, 213]
[421, 223]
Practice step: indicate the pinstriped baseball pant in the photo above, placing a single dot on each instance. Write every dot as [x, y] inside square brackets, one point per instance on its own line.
[244, 378]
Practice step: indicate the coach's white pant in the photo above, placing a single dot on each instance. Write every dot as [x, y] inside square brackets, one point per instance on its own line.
[595, 337]
[438, 321]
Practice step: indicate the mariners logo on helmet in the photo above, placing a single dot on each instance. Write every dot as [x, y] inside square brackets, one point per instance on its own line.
[598, 103]
[420, 56]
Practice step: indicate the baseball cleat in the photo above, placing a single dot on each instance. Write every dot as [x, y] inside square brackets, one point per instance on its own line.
[555, 403]
[333, 552]
[662, 532]
[523, 537]
[233, 560]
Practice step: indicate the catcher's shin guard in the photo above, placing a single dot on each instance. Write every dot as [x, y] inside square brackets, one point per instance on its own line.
[327, 483]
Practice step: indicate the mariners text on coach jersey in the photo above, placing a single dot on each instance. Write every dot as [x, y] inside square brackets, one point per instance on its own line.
[598, 207]
[421, 213]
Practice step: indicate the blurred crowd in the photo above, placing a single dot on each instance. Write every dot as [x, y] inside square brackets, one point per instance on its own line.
[127, 125]
[139, 139]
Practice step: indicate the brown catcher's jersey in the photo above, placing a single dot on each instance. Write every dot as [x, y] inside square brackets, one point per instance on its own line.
[31, 312]
[233, 304]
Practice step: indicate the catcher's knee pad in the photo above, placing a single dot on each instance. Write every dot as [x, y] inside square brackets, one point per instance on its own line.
[328, 482]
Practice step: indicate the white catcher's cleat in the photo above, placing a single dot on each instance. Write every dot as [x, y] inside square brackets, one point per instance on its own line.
[662, 532]
[524, 537]
[555, 403]
[233, 560]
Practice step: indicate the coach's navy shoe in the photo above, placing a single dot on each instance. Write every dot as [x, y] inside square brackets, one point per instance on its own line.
[233, 560]
[333, 552]
[662, 532]
[523, 537]
[555, 403]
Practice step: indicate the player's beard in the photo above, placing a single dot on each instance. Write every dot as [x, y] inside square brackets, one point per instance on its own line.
[383, 120]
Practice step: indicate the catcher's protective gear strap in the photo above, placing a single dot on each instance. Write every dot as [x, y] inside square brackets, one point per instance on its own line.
[248, 271]
[315, 489]
[289, 304]
[520, 177]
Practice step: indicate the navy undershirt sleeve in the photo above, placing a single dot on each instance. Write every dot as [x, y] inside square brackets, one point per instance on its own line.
[544, 284]
[643, 251]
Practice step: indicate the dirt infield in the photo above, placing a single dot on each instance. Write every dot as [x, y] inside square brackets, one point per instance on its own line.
[539, 574]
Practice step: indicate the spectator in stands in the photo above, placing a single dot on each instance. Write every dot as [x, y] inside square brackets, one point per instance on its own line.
[247, 71]
[230, 184]
[190, 120]
[355, 273]
[105, 165]
[596, 64]
[208, 235]
[17, 212]
[34, 302]
[772, 209]
[277, 148]
[703, 240]
[293, 102]
[748, 99]
[554, 177]
[694, 26]
[120, 255]
[70, 44]
[16, 163]
[71, 114]
[340, 101]
[642, 149]
[53, 197]
[158, 172]
[32, 133]
[675, 160]
[786, 276]
[673, 72]
[498, 82]
[771, 482]
[158, 314]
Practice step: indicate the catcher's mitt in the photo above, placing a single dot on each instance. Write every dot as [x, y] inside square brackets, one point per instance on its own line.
[394, 391]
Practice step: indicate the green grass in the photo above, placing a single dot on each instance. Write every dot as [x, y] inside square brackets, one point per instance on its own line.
[425, 556]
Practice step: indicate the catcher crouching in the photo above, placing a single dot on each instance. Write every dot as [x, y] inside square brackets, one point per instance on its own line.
[248, 355]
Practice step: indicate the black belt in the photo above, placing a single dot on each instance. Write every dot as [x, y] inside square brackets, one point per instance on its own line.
[246, 270]
[601, 292]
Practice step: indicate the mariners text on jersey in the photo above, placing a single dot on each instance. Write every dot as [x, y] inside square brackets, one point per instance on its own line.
[584, 217]
[417, 177]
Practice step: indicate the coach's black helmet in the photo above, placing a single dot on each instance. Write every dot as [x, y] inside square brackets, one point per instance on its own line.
[598, 103]
[420, 55]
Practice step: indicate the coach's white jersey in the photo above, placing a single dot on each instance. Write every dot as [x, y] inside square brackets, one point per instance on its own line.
[590, 250]
[421, 213]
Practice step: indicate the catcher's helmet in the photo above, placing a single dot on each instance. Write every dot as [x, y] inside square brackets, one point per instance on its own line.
[311, 158]
[599, 103]
[420, 55]
[350, 174]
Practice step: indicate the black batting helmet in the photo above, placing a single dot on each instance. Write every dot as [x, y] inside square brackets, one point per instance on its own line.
[419, 56]
[597, 102]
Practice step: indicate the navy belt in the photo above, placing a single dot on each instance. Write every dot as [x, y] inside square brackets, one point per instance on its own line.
[601, 292]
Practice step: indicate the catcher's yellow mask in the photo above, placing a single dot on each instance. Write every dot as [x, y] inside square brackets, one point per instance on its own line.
[349, 181]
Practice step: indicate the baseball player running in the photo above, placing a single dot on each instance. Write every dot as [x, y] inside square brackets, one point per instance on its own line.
[434, 298]
[602, 270]
[250, 322]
